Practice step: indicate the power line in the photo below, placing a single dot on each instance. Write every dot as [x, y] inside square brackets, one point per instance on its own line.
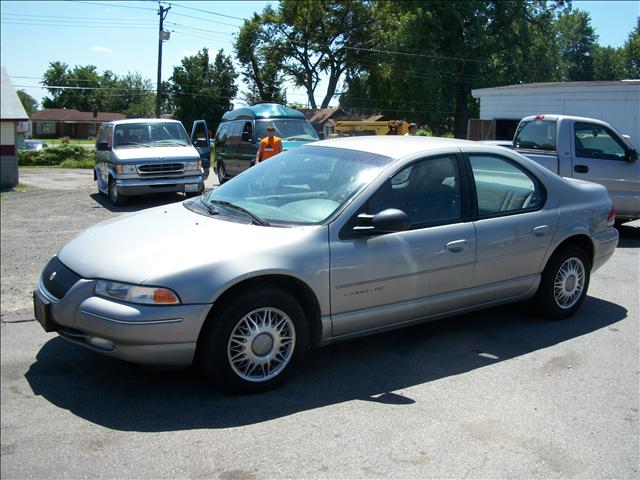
[206, 11]
[113, 5]
[68, 18]
[120, 27]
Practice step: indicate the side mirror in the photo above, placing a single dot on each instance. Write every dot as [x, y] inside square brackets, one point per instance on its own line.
[632, 155]
[387, 221]
[103, 146]
[200, 143]
[246, 137]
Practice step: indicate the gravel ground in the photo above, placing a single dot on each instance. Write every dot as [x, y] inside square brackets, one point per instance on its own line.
[495, 394]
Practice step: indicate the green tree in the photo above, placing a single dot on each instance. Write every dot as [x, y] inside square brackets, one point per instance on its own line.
[85, 89]
[631, 53]
[202, 89]
[29, 103]
[261, 65]
[428, 56]
[576, 43]
[608, 63]
[134, 96]
[314, 38]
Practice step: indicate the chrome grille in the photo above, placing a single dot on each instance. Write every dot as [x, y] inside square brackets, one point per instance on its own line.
[160, 168]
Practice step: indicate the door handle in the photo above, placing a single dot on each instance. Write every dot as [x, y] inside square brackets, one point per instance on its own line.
[541, 230]
[581, 169]
[456, 245]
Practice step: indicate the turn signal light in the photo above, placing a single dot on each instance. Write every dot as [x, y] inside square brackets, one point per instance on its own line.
[160, 295]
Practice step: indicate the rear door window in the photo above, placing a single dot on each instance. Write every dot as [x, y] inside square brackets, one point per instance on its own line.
[503, 187]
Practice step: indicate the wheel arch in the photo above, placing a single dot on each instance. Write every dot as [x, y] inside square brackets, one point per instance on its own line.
[580, 240]
[296, 287]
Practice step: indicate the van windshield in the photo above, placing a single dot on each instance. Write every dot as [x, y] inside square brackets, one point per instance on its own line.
[536, 135]
[288, 129]
[151, 134]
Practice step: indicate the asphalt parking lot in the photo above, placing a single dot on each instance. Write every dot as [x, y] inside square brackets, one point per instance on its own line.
[494, 394]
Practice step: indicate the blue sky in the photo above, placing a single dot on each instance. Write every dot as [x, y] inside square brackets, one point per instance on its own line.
[122, 36]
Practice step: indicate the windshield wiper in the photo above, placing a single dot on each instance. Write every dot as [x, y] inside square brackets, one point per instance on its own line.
[233, 206]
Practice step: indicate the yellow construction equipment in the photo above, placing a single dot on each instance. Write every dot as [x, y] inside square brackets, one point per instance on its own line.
[358, 128]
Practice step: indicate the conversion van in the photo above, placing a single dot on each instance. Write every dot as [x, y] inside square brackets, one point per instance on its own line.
[144, 156]
[240, 131]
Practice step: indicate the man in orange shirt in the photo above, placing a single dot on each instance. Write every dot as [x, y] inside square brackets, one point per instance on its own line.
[269, 146]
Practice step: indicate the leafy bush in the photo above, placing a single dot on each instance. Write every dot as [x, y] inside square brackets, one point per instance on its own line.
[77, 156]
[84, 163]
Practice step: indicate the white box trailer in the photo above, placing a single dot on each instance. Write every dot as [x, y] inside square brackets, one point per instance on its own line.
[501, 108]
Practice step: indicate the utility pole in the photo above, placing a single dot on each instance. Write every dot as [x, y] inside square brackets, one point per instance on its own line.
[162, 36]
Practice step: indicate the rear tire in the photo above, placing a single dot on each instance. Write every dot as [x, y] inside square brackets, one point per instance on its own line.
[564, 284]
[254, 341]
[117, 199]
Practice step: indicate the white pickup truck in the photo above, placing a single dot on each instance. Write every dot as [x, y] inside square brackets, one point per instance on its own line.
[586, 149]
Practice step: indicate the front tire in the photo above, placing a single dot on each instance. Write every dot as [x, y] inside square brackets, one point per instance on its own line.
[254, 342]
[564, 283]
[117, 199]
[222, 173]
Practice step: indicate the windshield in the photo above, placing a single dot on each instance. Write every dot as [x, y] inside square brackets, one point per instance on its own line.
[288, 129]
[152, 134]
[305, 185]
[536, 135]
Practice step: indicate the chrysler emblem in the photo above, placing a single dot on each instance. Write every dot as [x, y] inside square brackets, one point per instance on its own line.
[52, 276]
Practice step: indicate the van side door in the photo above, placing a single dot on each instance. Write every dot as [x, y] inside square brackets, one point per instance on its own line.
[233, 147]
[247, 155]
[202, 143]
[601, 156]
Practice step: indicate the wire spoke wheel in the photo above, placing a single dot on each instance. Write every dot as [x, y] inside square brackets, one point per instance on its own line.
[261, 344]
[569, 283]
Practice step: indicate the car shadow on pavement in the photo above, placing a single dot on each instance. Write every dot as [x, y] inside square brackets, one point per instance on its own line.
[125, 397]
[141, 202]
[629, 236]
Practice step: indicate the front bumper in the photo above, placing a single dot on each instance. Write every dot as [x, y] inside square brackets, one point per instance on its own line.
[157, 335]
[143, 186]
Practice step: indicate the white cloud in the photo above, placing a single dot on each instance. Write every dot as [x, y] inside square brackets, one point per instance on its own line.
[100, 49]
[189, 53]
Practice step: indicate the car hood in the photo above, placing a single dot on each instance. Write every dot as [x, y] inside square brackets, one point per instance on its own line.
[155, 153]
[168, 240]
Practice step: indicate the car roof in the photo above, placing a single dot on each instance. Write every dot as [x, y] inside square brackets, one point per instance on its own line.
[394, 146]
[143, 120]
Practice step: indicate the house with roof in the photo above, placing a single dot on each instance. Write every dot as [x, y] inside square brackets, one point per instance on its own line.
[68, 122]
[11, 113]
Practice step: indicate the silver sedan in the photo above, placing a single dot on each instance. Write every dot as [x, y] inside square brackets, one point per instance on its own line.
[332, 240]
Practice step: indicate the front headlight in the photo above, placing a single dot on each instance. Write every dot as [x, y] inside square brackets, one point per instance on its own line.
[136, 293]
[125, 169]
[193, 165]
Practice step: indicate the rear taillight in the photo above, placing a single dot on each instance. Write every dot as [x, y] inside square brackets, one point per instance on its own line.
[611, 218]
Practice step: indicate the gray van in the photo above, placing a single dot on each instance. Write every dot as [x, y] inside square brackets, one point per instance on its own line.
[142, 156]
[240, 131]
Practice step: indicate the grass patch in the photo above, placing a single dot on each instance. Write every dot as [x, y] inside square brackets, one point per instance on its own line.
[83, 163]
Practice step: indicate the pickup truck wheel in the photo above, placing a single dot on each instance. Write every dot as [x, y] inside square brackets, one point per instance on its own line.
[222, 172]
[254, 342]
[116, 198]
[564, 283]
